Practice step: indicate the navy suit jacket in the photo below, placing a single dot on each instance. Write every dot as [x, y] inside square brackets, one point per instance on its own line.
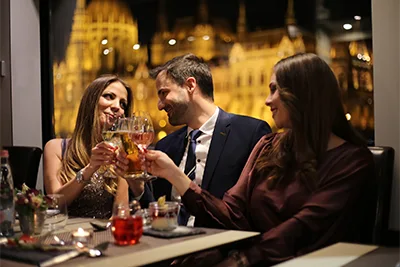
[232, 142]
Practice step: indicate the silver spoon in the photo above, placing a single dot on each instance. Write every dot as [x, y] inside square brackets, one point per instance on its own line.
[59, 241]
[93, 253]
[97, 251]
[100, 226]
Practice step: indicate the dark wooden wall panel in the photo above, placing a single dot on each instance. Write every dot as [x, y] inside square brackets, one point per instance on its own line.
[5, 75]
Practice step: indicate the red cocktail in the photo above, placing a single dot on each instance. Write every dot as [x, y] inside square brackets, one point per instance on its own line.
[127, 230]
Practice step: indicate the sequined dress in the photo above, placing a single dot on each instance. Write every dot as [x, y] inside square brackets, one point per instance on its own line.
[94, 201]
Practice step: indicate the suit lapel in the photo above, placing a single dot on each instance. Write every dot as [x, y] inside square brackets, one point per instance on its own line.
[220, 135]
[177, 147]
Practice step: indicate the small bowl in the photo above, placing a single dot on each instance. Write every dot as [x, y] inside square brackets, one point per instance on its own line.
[164, 218]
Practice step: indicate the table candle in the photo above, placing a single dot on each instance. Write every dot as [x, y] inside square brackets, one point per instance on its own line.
[80, 235]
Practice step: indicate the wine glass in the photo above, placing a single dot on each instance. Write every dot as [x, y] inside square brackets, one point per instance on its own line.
[125, 131]
[57, 212]
[143, 136]
[109, 135]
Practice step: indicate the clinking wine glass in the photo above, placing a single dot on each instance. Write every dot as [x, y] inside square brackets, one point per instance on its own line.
[125, 131]
[143, 137]
[109, 135]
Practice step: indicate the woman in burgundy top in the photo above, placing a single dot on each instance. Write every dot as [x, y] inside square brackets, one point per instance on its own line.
[304, 188]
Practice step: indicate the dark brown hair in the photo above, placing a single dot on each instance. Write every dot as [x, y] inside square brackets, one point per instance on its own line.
[309, 90]
[87, 132]
[182, 67]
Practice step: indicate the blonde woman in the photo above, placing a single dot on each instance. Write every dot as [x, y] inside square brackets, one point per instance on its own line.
[70, 164]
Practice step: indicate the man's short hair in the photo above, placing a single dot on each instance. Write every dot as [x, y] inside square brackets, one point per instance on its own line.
[182, 67]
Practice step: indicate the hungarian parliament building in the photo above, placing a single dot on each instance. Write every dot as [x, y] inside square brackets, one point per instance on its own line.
[104, 39]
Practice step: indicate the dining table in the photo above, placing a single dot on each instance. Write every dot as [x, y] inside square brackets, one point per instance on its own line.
[150, 249]
[348, 255]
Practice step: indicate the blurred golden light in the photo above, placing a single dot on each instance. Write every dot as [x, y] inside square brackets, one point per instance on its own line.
[140, 92]
[347, 26]
[357, 17]
[104, 41]
[136, 46]
[206, 37]
[162, 123]
[129, 68]
[106, 51]
[172, 42]
[191, 38]
[140, 96]
[161, 135]
[348, 116]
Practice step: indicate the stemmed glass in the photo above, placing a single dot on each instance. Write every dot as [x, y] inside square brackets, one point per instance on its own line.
[109, 135]
[143, 136]
[57, 212]
[126, 131]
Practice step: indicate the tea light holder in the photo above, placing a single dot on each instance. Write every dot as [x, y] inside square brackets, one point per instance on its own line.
[81, 236]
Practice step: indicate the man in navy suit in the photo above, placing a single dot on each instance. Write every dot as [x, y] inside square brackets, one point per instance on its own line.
[224, 142]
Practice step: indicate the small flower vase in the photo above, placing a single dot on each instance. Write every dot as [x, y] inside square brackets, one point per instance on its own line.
[32, 222]
[39, 218]
[26, 222]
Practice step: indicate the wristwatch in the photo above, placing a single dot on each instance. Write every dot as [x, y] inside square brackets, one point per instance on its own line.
[79, 178]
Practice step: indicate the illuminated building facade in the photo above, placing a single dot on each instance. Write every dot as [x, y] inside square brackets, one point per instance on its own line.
[104, 39]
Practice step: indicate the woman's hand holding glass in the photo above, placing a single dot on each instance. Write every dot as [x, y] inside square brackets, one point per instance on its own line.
[128, 149]
[106, 157]
[158, 163]
[121, 165]
[109, 136]
[102, 154]
[136, 133]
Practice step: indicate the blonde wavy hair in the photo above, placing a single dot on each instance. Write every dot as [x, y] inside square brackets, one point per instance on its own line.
[87, 132]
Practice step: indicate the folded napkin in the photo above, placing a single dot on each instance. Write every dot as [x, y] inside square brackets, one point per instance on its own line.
[37, 257]
[177, 232]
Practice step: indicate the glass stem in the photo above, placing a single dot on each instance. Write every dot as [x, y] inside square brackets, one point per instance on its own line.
[145, 161]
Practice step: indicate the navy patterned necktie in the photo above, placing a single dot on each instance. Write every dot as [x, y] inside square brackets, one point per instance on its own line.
[190, 168]
[191, 155]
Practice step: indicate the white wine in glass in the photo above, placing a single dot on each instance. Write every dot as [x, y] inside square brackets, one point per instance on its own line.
[109, 135]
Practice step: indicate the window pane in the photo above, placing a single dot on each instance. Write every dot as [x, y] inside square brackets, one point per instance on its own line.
[128, 38]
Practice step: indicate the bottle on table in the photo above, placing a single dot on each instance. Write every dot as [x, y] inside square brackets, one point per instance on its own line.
[7, 204]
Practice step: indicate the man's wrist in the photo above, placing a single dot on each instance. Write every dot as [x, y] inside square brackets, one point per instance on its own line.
[137, 188]
[139, 196]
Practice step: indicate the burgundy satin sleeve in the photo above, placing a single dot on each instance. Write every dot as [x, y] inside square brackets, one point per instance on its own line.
[230, 212]
[326, 218]
[330, 214]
